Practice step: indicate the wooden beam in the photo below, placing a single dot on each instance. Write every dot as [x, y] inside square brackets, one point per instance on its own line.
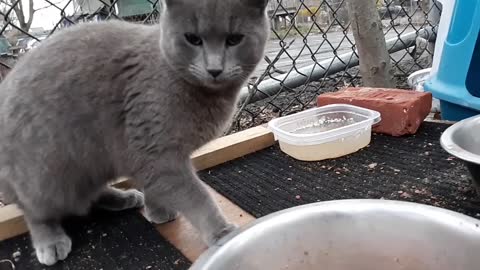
[11, 222]
[216, 152]
[441, 121]
[232, 146]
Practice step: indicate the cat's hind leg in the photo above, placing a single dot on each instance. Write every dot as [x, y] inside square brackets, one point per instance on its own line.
[50, 241]
[114, 199]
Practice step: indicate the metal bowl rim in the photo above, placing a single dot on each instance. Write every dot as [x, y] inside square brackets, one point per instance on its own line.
[440, 215]
[412, 79]
[453, 148]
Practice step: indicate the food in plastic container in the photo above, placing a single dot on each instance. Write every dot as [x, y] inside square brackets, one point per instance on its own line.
[325, 132]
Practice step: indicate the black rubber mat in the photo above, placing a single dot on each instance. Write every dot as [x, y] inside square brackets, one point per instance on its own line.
[106, 240]
[413, 168]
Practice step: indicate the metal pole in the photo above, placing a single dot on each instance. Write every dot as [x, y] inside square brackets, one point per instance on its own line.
[293, 79]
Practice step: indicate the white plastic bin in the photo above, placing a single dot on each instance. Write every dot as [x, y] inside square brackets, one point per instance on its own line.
[324, 132]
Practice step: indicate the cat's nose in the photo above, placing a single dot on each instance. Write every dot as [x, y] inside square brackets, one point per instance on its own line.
[215, 72]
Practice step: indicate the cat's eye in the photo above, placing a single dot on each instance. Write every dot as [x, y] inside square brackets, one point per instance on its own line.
[193, 39]
[234, 39]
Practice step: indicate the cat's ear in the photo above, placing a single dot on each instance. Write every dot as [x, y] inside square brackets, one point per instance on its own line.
[260, 4]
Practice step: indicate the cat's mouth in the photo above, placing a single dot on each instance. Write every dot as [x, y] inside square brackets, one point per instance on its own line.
[215, 83]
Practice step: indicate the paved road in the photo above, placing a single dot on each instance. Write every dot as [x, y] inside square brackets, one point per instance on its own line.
[316, 45]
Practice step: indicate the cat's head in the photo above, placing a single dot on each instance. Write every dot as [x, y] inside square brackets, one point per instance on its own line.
[214, 43]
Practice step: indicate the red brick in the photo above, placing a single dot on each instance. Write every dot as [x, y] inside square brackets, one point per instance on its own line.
[403, 111]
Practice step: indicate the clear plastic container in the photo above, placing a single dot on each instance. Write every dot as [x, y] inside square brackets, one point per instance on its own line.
[325, 132]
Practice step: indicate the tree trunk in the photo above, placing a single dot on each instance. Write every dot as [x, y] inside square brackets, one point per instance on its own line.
[375, 66]
[19, 10]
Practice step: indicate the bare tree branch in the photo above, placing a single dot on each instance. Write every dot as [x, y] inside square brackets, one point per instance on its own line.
[31, 11]
[18, 8]
[5, 3]
[49, 5]
[18, 11]
[22, 15]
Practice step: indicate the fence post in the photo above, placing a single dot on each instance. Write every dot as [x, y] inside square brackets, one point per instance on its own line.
[375, 66]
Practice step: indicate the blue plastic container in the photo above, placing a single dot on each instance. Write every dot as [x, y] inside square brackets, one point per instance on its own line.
[457, 83]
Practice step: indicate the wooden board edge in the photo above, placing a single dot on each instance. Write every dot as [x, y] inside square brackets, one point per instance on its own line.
[11, 222]
[216, 152]
[233, 146]
[440, 121]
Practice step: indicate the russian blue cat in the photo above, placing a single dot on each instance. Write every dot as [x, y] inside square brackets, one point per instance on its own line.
[102, 100]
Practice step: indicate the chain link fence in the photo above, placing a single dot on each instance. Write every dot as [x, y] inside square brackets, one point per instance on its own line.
[311, 48]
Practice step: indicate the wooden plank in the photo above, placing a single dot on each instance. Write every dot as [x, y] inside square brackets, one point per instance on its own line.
[233, 146]
[11, 222]
[441, 121]
[217, 152]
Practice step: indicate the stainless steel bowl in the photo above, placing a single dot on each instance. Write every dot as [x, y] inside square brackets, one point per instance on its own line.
[462, 140]
[351, 234]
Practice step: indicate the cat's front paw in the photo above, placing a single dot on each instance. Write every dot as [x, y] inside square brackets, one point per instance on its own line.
[160, 216]
[50, 252]
[136, 199]
[214, 238]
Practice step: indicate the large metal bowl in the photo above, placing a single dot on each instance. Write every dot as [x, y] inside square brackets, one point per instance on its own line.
[351, 234]
[462, 140]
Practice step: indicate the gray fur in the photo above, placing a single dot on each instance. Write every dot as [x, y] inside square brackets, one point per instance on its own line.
[103, 100]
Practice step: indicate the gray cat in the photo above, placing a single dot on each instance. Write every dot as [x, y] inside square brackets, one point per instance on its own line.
[102, 100]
